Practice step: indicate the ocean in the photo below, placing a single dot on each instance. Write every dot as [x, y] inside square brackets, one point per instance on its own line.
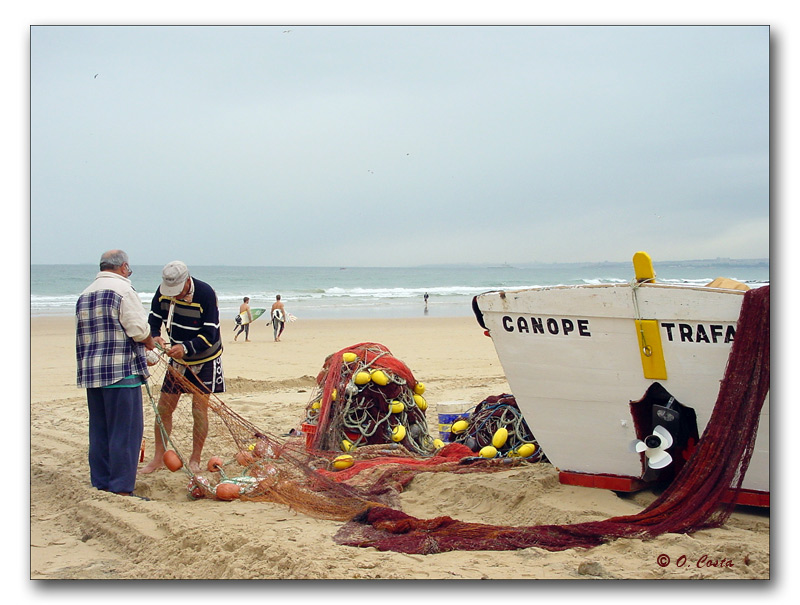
[362, 292]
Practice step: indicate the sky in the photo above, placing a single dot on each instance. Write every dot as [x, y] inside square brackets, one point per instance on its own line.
[314, 145]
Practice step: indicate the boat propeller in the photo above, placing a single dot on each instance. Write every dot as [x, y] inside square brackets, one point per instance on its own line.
[654, 447]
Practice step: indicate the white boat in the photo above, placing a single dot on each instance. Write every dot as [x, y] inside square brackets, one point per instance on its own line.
[582, 362]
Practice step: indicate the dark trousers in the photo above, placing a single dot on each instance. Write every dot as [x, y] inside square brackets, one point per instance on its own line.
[116, 426]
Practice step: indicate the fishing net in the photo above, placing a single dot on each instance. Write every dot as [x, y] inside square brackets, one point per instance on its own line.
[242, 461]
[366, 396]
[308, 472]
[698, 498]
[496, 427]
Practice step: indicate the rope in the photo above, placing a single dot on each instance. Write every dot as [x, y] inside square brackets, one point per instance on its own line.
[647, 350]
[165, 437]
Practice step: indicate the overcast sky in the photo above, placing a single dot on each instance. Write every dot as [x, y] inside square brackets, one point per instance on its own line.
[376, 145]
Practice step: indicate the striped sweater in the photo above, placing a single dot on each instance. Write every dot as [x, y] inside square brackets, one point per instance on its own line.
[195, 324]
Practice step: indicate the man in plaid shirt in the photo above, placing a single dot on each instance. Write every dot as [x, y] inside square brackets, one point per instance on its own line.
[112, 334]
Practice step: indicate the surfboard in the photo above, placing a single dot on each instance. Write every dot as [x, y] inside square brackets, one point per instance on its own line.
[256, 313]
[277, 314]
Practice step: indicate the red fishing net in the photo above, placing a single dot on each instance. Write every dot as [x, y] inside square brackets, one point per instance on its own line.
[352, 404]
[251, 464]
[366, 396]
[698, 498]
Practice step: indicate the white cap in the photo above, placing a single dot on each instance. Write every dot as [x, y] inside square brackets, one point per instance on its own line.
[173, 278]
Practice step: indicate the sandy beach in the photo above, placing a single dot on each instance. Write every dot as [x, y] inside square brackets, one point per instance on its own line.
[80, 533]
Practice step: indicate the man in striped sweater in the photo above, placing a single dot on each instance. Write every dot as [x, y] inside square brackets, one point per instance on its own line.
[188, 311]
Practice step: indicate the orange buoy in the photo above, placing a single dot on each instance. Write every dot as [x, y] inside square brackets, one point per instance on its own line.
[227, 491]
[172, 460]
[245, 458]
[214, 463]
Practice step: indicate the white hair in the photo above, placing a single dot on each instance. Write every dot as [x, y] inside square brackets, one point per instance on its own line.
[113, 259]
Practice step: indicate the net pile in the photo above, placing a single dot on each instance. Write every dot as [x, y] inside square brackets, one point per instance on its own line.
[366, 396]
[698, 498]
[245, 462]
[497, 428]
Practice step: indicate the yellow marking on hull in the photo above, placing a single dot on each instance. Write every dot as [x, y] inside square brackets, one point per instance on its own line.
[653, 364]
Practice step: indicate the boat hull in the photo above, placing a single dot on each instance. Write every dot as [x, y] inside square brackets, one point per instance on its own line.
[575, 359]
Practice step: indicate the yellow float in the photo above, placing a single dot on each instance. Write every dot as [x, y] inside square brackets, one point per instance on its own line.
[525, 450]
[488, 452]
[500, 437]
[379, 377]
[398, 433]
[459, 426]
[342, 462]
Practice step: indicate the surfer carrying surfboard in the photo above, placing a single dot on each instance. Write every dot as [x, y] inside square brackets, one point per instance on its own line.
[278, 314]
[246, 318]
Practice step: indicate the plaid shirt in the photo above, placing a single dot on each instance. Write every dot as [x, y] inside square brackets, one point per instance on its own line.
[110, 319]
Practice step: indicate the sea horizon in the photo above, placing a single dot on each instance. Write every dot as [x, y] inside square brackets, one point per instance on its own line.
[717, 261]
[333, 292]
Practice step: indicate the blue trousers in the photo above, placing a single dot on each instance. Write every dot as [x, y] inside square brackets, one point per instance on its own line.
[116, 426]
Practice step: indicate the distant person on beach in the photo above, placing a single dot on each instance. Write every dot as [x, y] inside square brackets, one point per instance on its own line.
[112, 334]
[244, 313]
[426, 300]
[278, 314]
[187, 308]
